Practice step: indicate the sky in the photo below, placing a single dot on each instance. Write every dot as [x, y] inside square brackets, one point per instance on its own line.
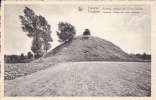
[129, 31]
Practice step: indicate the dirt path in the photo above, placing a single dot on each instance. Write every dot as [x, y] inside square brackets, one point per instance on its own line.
[85, 79]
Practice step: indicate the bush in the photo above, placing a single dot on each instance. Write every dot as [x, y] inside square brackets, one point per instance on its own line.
[37, 56]
[86, 32]
[30, 55]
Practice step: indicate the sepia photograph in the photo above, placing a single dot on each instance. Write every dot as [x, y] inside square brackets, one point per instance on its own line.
[77, 50]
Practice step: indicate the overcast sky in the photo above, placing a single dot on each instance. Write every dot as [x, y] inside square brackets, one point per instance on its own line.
[131, 32]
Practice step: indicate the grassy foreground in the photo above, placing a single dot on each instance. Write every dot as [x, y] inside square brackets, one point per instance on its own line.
[122, 79]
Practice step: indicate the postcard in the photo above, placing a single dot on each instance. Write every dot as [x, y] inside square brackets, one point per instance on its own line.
[77, 50]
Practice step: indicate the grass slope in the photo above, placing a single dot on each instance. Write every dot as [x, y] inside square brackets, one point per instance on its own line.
[90, 48]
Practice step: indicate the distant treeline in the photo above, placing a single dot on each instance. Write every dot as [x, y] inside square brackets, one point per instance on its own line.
[143, 56]
[30, 57]
[19, 58]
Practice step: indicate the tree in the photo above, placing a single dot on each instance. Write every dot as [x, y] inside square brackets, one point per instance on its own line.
[37, 28]
[36, 47]
[14, 58]
[40, 54]
[22, 56]
[47, 46]
[145, 56]
[86, 32]
[30, 55]
[46, 31]
[67, 31]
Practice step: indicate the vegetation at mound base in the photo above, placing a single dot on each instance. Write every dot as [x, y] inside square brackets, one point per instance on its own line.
[90, 48]
[144, 56]
[19, 58]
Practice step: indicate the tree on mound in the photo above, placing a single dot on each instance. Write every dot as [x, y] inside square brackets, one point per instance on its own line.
[86, 32]
[67, 31]
[38, 29]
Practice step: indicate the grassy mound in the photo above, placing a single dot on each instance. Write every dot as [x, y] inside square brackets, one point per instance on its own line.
[90, 48]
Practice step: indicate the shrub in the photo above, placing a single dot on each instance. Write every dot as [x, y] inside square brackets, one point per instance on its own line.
[86, 32]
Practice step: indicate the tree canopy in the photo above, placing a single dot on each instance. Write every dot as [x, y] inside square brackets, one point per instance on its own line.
[66, 31]
[37, 28]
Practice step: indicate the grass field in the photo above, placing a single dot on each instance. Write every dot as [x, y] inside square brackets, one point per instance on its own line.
[15, 70]
[100, 79]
